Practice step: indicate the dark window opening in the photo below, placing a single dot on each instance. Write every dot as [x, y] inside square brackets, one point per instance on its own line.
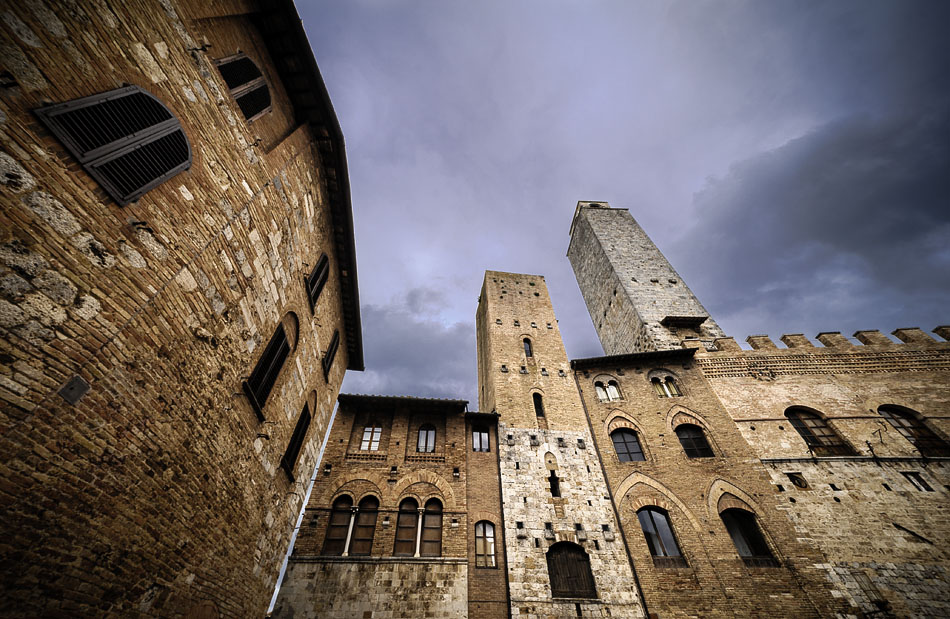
[569, 571]
[917, 481]
[485, 544]
[126, 139]
[658, 532]
[627, 445]
[555, 484]
[431, 543]
[748, 539]
[911, 427]
[335, 541]
[693, 441]
[296, 442]
[246, 84]
[426, 442]
[365, 527]
[261, 381]
[406, 524]
[317, 279]
[330, 354]
[527, 348]
[820, 438]
[538, 405]
[480, 439]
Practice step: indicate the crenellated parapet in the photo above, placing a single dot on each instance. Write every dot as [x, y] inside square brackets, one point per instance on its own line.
[834, 339]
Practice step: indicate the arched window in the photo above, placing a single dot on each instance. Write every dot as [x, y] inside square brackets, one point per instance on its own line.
[426, 442]
[569, 571]
[289, 461]
[126, 139]
[335, 541]
[406, 527]
[431, 543]
[911, 427]
[748, 539]
[658, 532]
[364, 527]
[666, 388]
[371, 434]
[261, 381]
[613, 390]
[538, 405]
[821, 439]
[693, 441]
[527, 348]
[484, 544]
[317, 279]
[246, 84]
[601, 392]
[627, 445]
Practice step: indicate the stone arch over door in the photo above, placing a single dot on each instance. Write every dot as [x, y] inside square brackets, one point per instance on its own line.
[627, 488]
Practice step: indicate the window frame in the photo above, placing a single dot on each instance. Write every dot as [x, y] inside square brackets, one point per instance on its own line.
[367, 513]
[759, 553]
[246, 88]
[528, 348]
[314, 283]
[289, 460]
[432, 520]
[616, 395]
[262, 380]
[624, 432]
[601, 391]
[538, 400]
[698, 446]
[912, 427]
[663, 556]
[372, 442]
[821, 439]
[487, 559]
[425, 443]
[330, 354]
[339, 521]
[481, 440]
[407, 520]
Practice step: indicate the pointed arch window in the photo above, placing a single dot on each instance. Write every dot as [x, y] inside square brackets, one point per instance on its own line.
[693, 440]
[246, 84]
[406, 528]
[627, 445]
[820, 438]
[426, 442]
[527, 348]
[569, 571]
[364, 527]
[538, 404]
[666, 387]
[911, 427]
[338, 527]
[484, 544]
[431, 535]
[658, 532]
[126, 139]
[748, 538]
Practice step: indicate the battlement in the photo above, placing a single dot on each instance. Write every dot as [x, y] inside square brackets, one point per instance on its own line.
[834, 339]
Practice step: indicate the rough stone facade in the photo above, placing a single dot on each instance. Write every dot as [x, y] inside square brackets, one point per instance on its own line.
[637, 301]
[320, 582]
[135, 477]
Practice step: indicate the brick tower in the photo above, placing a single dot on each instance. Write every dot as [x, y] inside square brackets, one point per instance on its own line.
[637, 301]
[560, 523]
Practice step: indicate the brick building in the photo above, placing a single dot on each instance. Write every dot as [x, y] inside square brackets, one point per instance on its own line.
[178, 301]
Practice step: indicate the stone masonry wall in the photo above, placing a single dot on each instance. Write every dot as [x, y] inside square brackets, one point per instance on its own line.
[628, 285]
[158, 492]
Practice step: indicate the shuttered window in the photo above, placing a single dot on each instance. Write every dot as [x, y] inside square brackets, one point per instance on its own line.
[246, 84]
[431, 544]
[317, 279]
[569, 571]
[335, 541]
[296, 442]
[365, 527]
[406, 525]
[330, 354]
[126, 139]
[261, 381]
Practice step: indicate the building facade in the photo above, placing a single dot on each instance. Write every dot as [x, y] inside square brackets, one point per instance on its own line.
[178, 302]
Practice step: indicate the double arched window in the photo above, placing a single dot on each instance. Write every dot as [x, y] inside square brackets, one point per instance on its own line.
[658, 532]
[693, 440]
[911, 427]
[484, 544]
[415, 537]
[351, 531]
[820, 438]
[607, 392]
[666, 387]
[627, 445]
[426, 442]
[748, 538]
[569, 571]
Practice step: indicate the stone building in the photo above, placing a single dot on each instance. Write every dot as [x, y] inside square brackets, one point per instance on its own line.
[178, 302]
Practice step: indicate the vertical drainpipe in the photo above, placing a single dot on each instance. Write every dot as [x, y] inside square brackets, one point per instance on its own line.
[613, 503]
[501, 505]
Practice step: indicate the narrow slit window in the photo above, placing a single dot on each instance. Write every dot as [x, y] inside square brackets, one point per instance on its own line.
[317, 279]
[330, 354]
[289, 461]
[527, 348]
[261, 381]
[538, 404]
[246, 84]
[126, 139]
[555, 484]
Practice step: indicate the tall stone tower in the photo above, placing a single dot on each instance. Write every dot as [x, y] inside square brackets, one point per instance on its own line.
[560, 524]
[637, 301]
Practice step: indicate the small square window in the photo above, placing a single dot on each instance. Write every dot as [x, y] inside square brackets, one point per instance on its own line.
[918, 482]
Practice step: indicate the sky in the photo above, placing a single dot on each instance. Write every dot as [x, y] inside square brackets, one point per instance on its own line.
[790, 158]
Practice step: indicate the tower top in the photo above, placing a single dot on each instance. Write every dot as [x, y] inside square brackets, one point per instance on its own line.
[637, 301]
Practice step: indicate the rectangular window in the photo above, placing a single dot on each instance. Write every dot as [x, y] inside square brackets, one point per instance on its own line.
[258, 386]
[480, 439]
[370, 440]
[330, 354]
[296, 442]
[918, 482]
[317, 279]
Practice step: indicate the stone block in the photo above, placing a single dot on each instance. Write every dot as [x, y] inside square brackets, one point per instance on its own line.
[912, 335]
[797, 340]
[873, 337]
[761, 342]
[833, 339]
